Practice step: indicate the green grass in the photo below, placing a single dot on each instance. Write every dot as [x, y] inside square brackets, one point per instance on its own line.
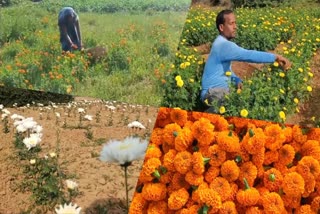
[141, 31]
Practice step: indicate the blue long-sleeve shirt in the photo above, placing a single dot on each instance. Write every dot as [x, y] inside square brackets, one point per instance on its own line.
[218, 63]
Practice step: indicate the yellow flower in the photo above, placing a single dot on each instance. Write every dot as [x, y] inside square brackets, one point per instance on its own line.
[32, 161]
[310, 74]
[282, 91]
[282, 115]
[206, 101]
[281, 74]
[183, 65]
[269, 79]
[200, 62]
[228, 73]
[238, 91]
[244, 113]
[300, 69]
[222, 110]
[191, 80]
[172, 66]
[178, 78]
[180, 83]
[284, 108]
[295, 100]
[275, 64]
[309, 88]
[313, 118]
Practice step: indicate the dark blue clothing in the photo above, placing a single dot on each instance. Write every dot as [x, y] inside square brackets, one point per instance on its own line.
[70, 24]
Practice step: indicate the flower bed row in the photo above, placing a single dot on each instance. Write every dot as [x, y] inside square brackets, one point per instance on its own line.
[205, 163]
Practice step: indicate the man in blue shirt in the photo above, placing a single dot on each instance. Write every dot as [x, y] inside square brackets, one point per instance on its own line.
[70, 35]
[217, 71]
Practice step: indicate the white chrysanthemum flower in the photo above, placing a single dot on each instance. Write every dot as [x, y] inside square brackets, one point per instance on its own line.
[112, 108]
[6, 111]
[17, 117]
[1, 106]
[29, 123]
[136, 124]
[32, 141]
[32, 161]
[37, 129]
[128, 150]
[58, 115]
[81, 110]
[53, 154]
[71, 184]
[88, 117]
[4, 116]
[68, 209]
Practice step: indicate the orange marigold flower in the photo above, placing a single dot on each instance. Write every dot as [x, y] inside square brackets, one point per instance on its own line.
[166, 177]
[272, 179]
[228, 207]
[315, 204]
[158, 207]
[202, 130]
[249, 171]
[298, 135]
[150, 166]
[221, 186]
[234, 189]
[194, 179]
[170, 132]
[163, 117]
[156, 136]
[184, 140]
[154, 191]
[291, 201]
[307, 165]
[288, 133]
[179, 116]
[304, 209]
[178, 181]
[254, 210]
[138, 204]
[272, 203]
[195, 193]
[222, 124]
[311, 148]
[293, 184]
[190, 210]
[258, 158]
[286, 154]
[249, 196]
[275, 137]
[309, 185]
[197, 115]
[313, 134]
[211, 173]
[153, 151]
[216, 155]
[198, 163]
[228, 141]
[281, 167]
[270, 157]
[254, 140]
[168, 160]
[230, 170]
[210, 197]
[178, 199]
[183, 162]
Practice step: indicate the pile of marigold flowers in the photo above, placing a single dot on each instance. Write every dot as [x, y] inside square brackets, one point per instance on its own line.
[205, 163]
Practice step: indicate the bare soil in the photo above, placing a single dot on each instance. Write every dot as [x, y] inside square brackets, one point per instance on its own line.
[100, 184]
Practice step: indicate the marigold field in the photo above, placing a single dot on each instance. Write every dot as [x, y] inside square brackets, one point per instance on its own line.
[205, 163]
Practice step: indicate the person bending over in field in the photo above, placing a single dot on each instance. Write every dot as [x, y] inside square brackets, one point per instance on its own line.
[217, 71]
[70, 35]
